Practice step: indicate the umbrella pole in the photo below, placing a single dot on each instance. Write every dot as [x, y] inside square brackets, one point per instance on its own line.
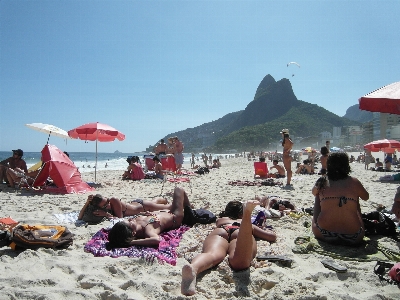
[95, 168]
[48, 138]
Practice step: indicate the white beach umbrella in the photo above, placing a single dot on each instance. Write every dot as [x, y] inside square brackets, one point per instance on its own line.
[49, 129]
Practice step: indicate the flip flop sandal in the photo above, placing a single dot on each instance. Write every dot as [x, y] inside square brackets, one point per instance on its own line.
[332, 265]
[285, 261]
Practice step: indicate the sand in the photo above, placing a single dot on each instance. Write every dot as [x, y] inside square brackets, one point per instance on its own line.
[74, 274]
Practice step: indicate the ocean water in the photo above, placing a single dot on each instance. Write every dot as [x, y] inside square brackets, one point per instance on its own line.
[86, 161]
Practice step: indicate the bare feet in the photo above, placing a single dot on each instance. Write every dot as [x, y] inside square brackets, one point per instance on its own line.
[264, 201]
[188, 285]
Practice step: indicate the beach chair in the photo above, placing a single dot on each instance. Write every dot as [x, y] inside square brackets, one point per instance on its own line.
[170, 172]
[27, 181]
[149, 162]
[260, 169]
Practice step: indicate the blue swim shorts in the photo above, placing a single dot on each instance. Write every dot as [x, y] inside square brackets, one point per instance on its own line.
[178, 158]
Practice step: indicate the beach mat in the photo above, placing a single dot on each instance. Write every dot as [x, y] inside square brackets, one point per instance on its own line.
[368, 250]
[166, 251]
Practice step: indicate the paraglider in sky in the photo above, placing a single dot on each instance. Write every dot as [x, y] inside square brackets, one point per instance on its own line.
[293, 63]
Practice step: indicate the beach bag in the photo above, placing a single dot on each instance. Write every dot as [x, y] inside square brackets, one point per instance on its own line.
[394, 273]
[40, 236]
[202, 170]
[194, 216]
[5, 238]
[91, 218]
[388, 272]
[376, 223]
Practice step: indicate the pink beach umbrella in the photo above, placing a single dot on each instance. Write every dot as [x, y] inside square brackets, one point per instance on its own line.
[96, 132]
[385, 145]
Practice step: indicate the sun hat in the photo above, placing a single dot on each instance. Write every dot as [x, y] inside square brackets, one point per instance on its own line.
[285, 131]
[19, 152]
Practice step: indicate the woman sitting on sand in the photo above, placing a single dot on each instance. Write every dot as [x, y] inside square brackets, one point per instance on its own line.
[306, 168]
[337, 213]
[134, 170]
[145, 228]
[114, 207]
[234, 236]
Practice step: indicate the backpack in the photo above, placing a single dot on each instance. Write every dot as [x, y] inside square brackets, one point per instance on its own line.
[40, 236]
[202, 170]
[194, 216]
[377, 223]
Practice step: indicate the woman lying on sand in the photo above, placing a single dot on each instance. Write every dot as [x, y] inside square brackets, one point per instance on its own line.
[277, 203]
[337, 213]
[114, 207]
[234, 236]
[144, 229]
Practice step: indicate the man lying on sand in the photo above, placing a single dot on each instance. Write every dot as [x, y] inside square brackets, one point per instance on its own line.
[114, 207]
[233, 236]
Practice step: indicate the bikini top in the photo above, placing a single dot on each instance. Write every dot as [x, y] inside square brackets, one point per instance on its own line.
[153, 219]
[342, 199]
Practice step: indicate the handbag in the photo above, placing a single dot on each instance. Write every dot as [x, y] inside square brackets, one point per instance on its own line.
[376, 223]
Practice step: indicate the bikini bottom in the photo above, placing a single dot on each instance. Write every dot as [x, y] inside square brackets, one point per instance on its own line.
[230, 228]
[345, 238]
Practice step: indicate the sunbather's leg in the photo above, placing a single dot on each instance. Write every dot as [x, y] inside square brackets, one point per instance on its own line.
[214, 251]
[153, 205]
[12, 177]
[243, 249]
[179, 201]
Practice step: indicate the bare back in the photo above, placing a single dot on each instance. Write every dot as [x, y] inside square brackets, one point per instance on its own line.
[339, 204]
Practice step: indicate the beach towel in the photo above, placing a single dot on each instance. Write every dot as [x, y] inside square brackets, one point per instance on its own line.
[70, 217]
[166, 251]
[268, 182]
[179, 179]
[369, 250]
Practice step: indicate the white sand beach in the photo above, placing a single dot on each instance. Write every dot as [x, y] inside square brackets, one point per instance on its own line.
[75, 274]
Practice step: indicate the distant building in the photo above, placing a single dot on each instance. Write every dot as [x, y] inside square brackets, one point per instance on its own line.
[325, 136]
[383, 124]
[337, 132]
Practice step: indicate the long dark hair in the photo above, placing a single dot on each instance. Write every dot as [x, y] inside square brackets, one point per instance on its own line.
[285, 135]
[96, 200]
[338, 166]
[233, 210]
[119, 236]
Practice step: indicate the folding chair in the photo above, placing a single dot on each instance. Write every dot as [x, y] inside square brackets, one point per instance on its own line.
[24, 179]
[260, 169]
[170, 171]
[149, 162]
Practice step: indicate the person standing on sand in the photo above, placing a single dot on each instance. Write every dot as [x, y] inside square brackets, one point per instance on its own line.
[161, 148]
[178, 146]
[287, 145]
[327, 145]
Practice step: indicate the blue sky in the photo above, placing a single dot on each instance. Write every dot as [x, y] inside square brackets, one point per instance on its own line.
[149, 68]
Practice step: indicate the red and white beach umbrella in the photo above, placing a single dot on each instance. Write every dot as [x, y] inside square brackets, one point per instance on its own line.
[96, 132]
[385, 145]
[385, 99]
